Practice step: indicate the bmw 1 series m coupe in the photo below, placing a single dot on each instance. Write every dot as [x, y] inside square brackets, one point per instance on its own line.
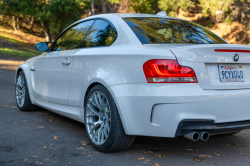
[127, 75]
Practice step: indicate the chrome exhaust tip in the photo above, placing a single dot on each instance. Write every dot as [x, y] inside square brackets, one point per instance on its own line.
[204, 136]
[193, 135]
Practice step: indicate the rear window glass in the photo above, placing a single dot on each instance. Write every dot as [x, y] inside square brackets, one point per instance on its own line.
[171, 31]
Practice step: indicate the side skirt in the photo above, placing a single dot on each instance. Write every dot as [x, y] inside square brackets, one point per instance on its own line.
[75, 113]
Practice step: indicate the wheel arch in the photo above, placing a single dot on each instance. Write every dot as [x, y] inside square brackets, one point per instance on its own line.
[88, 90]
[25, 69]
[113, 96]
[18, 71]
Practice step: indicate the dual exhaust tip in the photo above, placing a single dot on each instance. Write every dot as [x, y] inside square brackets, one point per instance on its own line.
[195, 136]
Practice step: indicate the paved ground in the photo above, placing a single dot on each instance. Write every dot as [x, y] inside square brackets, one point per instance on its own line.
[45, 138]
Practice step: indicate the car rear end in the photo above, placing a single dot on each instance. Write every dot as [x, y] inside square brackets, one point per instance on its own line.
[206, 89]
[221, 68]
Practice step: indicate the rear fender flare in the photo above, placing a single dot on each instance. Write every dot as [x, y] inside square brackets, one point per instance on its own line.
[91, 84]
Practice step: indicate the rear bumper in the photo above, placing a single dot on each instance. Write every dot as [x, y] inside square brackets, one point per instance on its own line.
[158, 109]
[209, 126]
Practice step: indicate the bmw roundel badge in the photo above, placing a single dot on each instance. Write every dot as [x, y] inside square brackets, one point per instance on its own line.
[236, 57]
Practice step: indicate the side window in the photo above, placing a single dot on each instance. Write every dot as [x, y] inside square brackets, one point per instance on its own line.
[100, 34]
[72, 38]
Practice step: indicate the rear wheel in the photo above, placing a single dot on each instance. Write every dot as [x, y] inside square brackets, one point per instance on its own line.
[102, 122]
[22, 94]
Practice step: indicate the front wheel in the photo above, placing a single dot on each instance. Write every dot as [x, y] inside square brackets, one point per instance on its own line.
[22, 94]
[102, 122]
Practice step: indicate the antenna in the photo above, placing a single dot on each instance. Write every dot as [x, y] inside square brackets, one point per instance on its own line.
[161, 13]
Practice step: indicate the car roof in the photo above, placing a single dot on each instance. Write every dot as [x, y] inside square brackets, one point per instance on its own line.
[124, 15]
[127, 15]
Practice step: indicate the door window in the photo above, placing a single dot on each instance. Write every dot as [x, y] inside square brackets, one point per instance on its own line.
[100, 34]
[72, 38]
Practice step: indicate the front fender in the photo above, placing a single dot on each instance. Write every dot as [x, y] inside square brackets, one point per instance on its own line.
[25, 67]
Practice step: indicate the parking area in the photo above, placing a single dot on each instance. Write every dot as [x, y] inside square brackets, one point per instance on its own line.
[45, 138]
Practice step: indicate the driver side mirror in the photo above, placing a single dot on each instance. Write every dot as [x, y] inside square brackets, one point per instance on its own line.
[42, 46]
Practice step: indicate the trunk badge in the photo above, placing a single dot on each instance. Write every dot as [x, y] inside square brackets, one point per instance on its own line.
[236, 57]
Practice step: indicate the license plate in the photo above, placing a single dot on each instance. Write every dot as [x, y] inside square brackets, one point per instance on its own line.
[231, 73]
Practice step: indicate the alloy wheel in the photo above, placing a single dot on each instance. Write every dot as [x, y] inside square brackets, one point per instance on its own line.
[20, 91]
[98, 117]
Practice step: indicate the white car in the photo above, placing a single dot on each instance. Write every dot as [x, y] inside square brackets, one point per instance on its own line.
[125, 75]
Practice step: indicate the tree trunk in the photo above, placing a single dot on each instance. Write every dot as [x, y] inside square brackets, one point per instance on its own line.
[31, 23]
[14, 23]
[89, 12]
[17, 24]
[104, 9]
[46, 31]
[92, 7]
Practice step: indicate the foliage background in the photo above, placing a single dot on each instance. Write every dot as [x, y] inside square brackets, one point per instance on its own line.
[47, 18]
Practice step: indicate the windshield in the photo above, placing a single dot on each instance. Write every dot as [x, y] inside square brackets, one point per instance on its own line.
[171, 31]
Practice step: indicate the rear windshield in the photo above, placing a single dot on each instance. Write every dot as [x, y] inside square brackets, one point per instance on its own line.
[171, 31]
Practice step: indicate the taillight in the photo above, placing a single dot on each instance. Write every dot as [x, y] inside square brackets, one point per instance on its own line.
[168, 71]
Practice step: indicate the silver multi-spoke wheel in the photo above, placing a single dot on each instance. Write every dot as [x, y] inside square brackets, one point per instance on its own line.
[98, 117]
[20, 91]
[106, 134]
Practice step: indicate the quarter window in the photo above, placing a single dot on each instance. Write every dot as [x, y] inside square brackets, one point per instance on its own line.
[100, 34]
[72, 38]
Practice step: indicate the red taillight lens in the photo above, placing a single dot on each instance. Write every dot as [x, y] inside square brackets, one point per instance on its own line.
[168, 71]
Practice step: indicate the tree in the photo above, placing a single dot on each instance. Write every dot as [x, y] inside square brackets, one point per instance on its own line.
[104, 9]
[217, 9]
[92, 7]
[11, 8]
[172, 6]
[144, 6]
[54, 15]
[153, 6]
[228, 11]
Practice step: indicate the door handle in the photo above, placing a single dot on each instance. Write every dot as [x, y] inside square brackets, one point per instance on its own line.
[32, 68]
[66, 62]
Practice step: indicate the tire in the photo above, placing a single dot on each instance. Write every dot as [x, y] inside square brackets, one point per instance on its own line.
[22, 94]
[100, 115]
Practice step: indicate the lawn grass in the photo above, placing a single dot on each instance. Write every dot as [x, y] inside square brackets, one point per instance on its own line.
[19, 52]
[22, 38]
[5, 37]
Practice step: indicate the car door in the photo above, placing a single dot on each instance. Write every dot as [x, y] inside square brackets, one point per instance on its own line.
[53, 70]
[101, 35]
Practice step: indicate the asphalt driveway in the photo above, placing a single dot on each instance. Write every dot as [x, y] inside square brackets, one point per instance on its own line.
[45, 138]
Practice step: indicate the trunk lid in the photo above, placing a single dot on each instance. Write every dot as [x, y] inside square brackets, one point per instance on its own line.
[207, 61]
[212, 53]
